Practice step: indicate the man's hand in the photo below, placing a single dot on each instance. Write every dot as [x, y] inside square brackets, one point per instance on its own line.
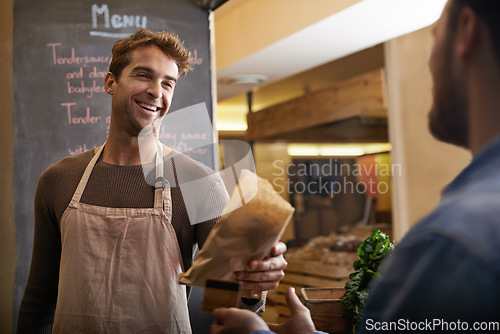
[300, 321]
[265, 274]
[233, 320]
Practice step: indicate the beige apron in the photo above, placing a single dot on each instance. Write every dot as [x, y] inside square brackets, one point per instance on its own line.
[119, 266]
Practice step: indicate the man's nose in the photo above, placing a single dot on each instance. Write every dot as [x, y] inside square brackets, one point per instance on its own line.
[155, 90]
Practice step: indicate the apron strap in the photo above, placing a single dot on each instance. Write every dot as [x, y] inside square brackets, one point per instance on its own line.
[161, 201]
[86, 175]
[167, 197]
[160, 182]
[159, 179]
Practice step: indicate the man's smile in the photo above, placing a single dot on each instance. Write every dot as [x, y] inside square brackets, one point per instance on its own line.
[148, 107]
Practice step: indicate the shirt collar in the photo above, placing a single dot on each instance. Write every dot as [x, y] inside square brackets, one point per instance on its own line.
[483, 163]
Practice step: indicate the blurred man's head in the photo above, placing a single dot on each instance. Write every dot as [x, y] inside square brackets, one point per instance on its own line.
[449, 114]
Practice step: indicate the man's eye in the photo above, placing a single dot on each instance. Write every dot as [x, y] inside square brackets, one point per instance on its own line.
[142, 75]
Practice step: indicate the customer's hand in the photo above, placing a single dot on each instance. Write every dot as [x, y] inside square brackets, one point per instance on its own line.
[235, 321]
[300, 321]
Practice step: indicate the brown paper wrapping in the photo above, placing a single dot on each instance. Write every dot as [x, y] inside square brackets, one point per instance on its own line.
[245, 232]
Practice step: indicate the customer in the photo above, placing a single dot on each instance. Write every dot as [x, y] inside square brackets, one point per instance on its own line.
[446, 270]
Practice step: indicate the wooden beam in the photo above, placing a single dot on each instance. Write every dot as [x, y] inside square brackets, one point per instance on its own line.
[351, 130]
[359, 96]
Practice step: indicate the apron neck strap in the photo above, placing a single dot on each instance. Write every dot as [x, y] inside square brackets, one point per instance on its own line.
[159, 179]
[86, 175]
[160, 184]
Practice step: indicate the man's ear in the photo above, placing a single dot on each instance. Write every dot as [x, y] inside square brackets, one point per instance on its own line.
[109, 83]
[469, 30]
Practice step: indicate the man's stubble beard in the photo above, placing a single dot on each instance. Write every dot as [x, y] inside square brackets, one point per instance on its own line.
[448, 117]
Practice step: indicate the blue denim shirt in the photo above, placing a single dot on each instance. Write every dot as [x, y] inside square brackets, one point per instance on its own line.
[447, 267]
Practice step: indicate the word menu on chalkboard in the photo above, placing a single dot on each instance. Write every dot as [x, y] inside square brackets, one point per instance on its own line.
[62, 51]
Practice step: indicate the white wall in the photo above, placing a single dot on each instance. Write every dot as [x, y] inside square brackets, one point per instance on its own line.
[426, 164]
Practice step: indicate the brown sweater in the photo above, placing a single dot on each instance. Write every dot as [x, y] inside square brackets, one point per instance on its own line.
[110, 186]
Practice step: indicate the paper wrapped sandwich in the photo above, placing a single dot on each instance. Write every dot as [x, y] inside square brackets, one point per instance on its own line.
[251, 224]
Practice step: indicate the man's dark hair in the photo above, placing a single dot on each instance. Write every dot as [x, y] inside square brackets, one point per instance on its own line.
[169, 43]
[487, 10]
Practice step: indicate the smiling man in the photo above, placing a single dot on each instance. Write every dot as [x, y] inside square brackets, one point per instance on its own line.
[110, 240]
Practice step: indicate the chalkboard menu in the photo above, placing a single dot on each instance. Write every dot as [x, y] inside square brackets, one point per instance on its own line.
[62, 51]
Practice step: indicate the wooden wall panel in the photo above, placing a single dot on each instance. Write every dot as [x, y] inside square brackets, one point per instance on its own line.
[360, 96]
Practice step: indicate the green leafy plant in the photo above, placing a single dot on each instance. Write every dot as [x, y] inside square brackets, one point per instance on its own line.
[371, 252]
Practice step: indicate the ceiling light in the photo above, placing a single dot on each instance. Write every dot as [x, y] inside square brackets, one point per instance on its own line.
[246, 79]
[337, 150]
[377, 148]
[302, 150]
[231, 126]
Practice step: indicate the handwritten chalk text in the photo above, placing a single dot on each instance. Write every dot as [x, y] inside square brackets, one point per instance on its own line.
[116, 21]
[80, 149]
[88, 91]
[73, 59]
[80, 120]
